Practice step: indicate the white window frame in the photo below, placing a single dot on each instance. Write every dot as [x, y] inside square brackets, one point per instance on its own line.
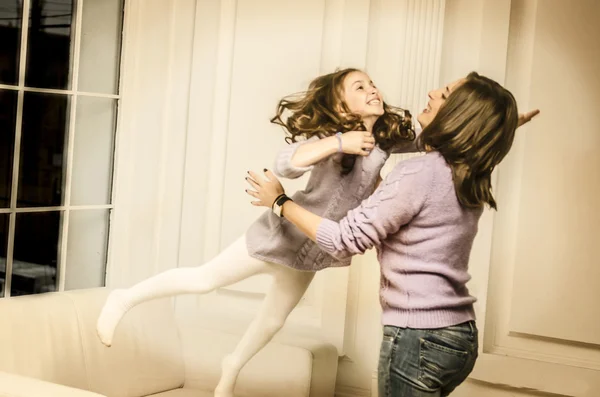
[73, 93]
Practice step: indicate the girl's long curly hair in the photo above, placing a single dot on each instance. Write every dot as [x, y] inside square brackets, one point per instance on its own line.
[321, 111]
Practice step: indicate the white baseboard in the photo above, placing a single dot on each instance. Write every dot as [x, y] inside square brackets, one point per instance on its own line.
[374, 388]
[349, 391]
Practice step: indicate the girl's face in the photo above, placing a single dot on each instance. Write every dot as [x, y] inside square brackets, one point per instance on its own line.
[436, 100]
[361, 96]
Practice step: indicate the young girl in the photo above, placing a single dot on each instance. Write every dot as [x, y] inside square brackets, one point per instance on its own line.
[423, 219]
[345, 168]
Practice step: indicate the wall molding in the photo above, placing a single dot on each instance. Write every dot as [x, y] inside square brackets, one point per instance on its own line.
[374, 384]
[219, 130]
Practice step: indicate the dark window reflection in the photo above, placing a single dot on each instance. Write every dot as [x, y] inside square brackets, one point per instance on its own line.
[10, 40]
[8, 115]
[45, 122]
[3, 247]
[49, 44]
[35, 253]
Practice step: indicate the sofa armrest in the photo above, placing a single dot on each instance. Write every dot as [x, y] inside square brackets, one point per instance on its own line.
[293, 368]
[12, 385]
[324, 364]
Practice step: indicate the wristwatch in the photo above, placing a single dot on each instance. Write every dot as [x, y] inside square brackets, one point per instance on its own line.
[278, 204]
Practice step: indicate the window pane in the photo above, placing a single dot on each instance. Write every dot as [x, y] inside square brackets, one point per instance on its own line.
[100, 46]
[86, 249]
[49, 44]
[35, 253]
[3, 247]
[45, 122]
[11, 13]
[93, 151]
[8, 114]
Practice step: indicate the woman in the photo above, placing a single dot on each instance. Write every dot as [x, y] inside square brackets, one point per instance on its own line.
[344, 101]
[423, 219]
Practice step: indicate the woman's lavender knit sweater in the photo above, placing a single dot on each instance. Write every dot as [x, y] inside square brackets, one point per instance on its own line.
[423, 237]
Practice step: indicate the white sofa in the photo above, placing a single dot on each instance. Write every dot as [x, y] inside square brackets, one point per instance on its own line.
[48, 347]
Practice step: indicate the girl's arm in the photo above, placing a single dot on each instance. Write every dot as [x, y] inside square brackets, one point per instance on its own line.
[284, 165]
[298, 158]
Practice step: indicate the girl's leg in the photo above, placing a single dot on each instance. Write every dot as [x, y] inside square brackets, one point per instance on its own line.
[288, 287]
[230, 266]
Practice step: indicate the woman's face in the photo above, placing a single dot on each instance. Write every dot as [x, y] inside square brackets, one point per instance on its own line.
[361, 96]
[436, 100]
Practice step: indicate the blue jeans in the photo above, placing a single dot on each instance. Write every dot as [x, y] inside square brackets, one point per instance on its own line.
[426, 362]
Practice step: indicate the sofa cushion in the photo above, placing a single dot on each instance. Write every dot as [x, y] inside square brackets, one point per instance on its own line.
[40, 338]
[146, 355]
[12, 385]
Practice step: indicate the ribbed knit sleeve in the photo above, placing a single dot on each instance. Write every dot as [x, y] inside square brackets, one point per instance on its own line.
[283, 166]
[397, 200]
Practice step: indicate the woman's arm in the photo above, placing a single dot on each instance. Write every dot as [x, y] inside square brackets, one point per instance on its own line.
[394, 204]
[525, 118]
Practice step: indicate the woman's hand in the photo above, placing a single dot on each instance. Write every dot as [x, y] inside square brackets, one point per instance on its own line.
[358, 142]
[265, 190]
[525, 118]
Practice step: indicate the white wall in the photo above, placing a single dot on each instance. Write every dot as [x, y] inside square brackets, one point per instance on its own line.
[202, 75]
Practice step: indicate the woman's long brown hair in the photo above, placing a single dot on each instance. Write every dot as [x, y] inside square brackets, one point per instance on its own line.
[473, 130]
[321, 111]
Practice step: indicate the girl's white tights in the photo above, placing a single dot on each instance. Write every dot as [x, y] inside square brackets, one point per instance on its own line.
[232, 265]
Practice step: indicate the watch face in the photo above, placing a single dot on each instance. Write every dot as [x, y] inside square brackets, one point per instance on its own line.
[277, 210]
